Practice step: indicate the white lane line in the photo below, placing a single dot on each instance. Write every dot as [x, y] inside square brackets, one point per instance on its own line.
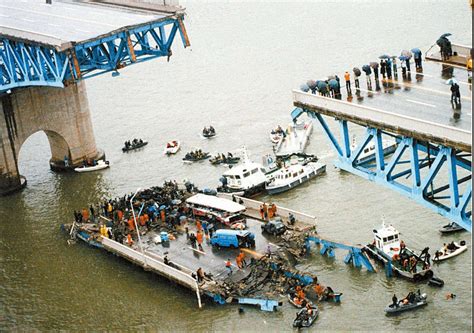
[421, 103]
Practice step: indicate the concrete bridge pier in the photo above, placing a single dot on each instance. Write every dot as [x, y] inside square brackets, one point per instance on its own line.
[62, 113]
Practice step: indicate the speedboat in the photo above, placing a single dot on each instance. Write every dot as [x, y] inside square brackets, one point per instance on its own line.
[387, 249]
[445, 252]
[296, 139]
[208, 132]
[303, 320]
[451, 227]
[289, 177]
[223, 159]
[194, 157]
[368, 153]
[291, 299]
[172, 147]
[245, 179]
[276, 135]
[134, 146]
[101, 164]
[420, 300]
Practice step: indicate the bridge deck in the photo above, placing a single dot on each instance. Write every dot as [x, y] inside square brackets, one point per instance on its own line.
[61, 23]
[420, 104]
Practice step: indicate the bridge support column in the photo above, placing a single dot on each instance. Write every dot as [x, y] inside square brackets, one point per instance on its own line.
[62, 113]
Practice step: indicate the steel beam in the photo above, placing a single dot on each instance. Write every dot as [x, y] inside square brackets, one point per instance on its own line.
[24, 65]
[417, 188]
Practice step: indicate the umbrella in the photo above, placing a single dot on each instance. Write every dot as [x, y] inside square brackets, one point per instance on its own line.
[366, 69]
[442, 42]
[374, 65]
[311, 84]
[322, 86]
[304, 87]
[416, 50]
[162, 207]
[445, 35]
[356, 71]
[333, 84]
[406, 53]
[384, 56]
[451, 81]
[403, 58]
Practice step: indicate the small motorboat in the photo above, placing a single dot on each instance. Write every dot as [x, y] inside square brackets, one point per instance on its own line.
[451, 227]
[420, 300]
[332, 297]
[451, 250]
[296, 174]
[223, 159]
[172, 147]
[303, 319]
[208, 132]
[277, 134]
[101, 164]
[134, 145]
[195, 156]
[436, 282]
[291, 299]
[296, 139]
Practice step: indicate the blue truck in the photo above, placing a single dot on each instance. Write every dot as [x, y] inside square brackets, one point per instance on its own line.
[233, 238]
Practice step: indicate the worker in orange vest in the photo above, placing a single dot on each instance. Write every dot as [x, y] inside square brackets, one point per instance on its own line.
[85, 215]
[131, 224]
[198, 225]
[129, 240]
[119, 215]
[199, 240]
[228, 265]
[238, 261]
[163, 215]
[347, 77]
[142, 220]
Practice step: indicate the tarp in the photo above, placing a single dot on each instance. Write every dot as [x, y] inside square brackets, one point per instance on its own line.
[296, 113]
[215, 203]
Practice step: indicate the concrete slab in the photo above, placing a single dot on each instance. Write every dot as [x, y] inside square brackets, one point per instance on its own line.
[62, 23]
[210, 260]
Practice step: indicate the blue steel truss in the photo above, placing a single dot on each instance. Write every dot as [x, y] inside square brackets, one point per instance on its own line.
[355, 255]
[23, 65]
[422, 156]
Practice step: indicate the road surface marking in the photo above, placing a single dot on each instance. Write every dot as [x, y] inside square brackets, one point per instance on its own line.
[406, 84]
[421, 103]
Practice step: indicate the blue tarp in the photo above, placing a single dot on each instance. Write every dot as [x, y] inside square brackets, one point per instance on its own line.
[296, 113]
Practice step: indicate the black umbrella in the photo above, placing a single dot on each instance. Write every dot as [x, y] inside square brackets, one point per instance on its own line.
[356, 71]
[384, 56]
[366, 69]
[445, 35]
[442, 42]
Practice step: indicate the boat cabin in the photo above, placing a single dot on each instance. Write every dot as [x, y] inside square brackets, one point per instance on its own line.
[387, 239]
[245, 176]
[224, 210]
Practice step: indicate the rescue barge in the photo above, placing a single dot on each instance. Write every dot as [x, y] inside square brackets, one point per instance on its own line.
[166, 218]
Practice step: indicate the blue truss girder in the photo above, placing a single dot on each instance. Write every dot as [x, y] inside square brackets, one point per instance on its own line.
[421, 188]
[23, 65]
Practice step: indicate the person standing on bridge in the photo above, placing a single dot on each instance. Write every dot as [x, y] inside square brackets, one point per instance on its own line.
[455, 95]
[347, 77]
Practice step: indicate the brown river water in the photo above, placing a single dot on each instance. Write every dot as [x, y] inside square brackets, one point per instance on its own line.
[238, 74]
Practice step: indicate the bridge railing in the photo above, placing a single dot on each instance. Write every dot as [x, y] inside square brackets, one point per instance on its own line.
[385, 120]
[153, 264]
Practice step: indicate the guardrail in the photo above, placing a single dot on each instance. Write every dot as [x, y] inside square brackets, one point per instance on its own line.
[385, 120]
[282, 211]
[149, 263]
